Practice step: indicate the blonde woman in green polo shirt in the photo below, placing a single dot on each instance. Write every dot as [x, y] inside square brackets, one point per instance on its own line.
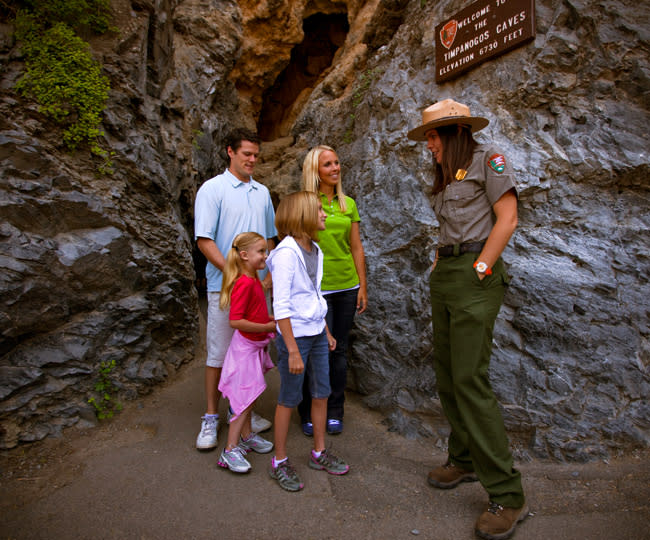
[344, 275]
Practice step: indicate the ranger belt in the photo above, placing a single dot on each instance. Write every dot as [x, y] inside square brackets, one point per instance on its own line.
[459, 249]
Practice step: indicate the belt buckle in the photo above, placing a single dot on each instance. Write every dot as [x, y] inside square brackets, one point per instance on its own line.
[456, 250]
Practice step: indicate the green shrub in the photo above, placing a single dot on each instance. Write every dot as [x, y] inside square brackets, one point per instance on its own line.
[80, 15]
[357, 98]
[104, 401]
[61, 74]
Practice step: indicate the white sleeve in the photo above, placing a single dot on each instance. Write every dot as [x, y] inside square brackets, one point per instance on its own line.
[284, 268]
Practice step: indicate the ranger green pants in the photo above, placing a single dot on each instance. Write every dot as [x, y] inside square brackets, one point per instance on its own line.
[464, 309]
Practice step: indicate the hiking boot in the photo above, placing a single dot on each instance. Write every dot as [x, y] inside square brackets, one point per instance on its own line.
[308, 429]
[499, 522]
[286, 476]
[328, 462]
[234, 460]
[448, 476]
[334, 426]
[256, 443]
[207, 437]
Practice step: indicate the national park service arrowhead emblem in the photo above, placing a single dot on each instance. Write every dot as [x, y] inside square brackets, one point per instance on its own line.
[448, 33]
[497, 162]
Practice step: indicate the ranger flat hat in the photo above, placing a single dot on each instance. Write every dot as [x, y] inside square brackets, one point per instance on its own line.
[446, 113]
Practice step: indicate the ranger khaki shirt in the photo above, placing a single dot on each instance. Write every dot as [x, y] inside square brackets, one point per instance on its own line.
[464, 207]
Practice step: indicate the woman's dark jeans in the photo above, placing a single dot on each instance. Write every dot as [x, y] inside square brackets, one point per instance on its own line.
[341, 307]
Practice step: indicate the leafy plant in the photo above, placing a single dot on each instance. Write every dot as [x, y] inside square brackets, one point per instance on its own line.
[347, 136]
[366, 80]
[81, 15]
[61, 74]
[357, 97]
[104, 403]
[197, 134]
[106, 166]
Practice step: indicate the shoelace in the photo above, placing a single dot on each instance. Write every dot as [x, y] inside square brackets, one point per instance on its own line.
[287, 468]
[329, 459]
[494, 508]
[208, 425]
[236, 450]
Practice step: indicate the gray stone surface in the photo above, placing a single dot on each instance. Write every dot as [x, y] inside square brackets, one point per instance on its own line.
[569, 110]
[98, 268]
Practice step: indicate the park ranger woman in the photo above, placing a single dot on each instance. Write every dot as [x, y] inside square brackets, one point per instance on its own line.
[475, 201]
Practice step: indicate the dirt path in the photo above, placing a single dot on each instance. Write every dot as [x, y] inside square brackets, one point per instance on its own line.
[139, 477]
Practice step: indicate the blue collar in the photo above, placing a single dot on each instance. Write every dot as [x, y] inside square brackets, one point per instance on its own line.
[236, 182]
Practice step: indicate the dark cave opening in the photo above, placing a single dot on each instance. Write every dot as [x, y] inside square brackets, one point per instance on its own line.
[324, 34]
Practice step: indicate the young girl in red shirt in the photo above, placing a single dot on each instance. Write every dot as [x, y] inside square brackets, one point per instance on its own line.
[247, 359]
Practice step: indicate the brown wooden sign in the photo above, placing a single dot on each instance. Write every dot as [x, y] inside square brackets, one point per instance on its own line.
[486, 29]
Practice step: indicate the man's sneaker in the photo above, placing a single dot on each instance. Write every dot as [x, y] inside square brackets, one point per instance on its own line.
[234, 460]
[334, 426]
[259, 424]
[286, 476]
[328, 462]
[256, 443]
[207, 437]
[448, 476]
[499, 522]
[308, 429]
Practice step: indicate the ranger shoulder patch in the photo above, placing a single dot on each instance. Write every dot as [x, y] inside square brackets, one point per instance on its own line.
[497, 162]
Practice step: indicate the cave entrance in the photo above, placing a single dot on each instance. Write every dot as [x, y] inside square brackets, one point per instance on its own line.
[324, 34]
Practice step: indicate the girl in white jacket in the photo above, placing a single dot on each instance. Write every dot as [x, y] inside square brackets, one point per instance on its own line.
[303, 340]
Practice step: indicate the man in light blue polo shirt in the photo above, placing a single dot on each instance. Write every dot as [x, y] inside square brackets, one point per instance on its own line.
[225, 206]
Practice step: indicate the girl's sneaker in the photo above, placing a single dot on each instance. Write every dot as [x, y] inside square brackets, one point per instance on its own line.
[257, 443]
[328, 462]
[258, 424]
[234, 460]
[286, 476]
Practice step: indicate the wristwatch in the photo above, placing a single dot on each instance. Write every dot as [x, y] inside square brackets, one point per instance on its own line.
[482, 268]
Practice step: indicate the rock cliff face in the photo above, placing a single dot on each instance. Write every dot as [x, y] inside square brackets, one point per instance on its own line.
[99, 268]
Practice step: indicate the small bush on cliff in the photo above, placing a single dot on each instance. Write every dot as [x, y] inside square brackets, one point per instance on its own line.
[62, 76]
[80, 15]
[104, 400]
[359, 95]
